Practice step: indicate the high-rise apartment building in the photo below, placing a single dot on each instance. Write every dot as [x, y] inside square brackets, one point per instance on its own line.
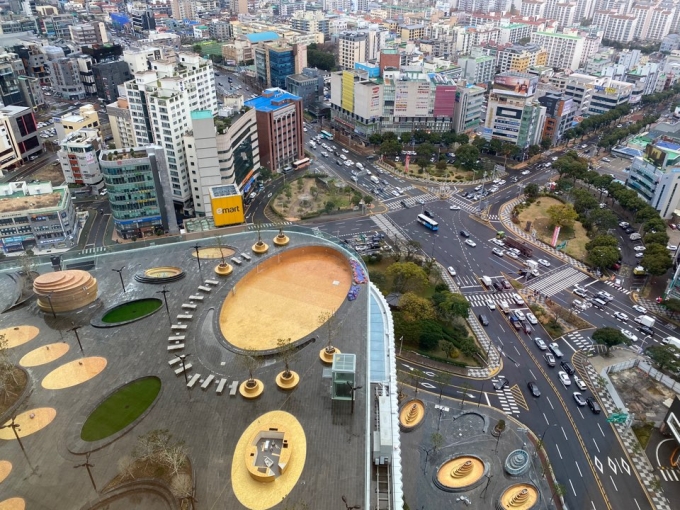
[479, 69]
[275, 61]
[520, 58]
[352, 49]
[65, 77]
[564, 51]
[121, 123]
[183, 9]
[239, 6]
[279, 128]
[560, 112]
[78, 156]
[161, 101]
[18, 136]
[221, 151]
[11, 67]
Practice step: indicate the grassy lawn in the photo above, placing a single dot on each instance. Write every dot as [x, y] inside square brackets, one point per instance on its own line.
[120, 409]
[133, 310]
[576, 238]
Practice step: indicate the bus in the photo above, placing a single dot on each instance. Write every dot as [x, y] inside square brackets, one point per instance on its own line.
[326, 135]
[428, 222]
[302, 163]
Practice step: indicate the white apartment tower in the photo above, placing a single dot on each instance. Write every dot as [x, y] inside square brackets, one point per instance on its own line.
[352, 48]
[532, 8]
[161, 101]
[565, 14]
[564, 51]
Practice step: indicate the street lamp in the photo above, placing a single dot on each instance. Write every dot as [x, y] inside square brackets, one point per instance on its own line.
[15, 428]
[49, 299]
[183, 357]
[75, 330]
[120, 274]
[87, 466]
[165, 298]
[198, 255]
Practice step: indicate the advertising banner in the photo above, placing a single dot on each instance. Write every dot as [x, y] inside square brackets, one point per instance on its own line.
[520, 85]
[227, 210]
[408, 158]
[556, 234]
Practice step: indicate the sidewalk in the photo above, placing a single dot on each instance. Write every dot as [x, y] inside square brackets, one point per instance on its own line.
[595, 368]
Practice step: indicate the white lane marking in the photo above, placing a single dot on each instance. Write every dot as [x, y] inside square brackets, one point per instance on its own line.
[488, 402]
[550, 403]
[612, 466]
[559, 452]
[625, 465]
[658, 463]
[615, 487]
[638, 504]
[598, 426]
[579, 412]
[532, 374]
[546, 419]
[598, 465]
[579, 469]
[565, 434]
[598, 448]
[427, 385]
[572, 487]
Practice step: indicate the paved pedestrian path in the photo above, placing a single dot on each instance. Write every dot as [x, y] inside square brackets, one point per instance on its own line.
[557, 280]
[264, 226]
[640, 462]
[505, 214]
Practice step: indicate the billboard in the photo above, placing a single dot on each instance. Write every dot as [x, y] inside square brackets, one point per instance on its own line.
[227, 210]
[655, 155]
[520, 85]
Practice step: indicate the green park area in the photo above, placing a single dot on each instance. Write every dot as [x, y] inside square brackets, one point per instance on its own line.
[132, 310]
[120, 409]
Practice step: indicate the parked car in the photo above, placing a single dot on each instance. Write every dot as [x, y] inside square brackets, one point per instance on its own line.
[533, 388]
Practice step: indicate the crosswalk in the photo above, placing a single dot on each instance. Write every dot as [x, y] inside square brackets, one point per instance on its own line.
[479, 299]
[467, 281]
[613, 286]
[557, 280]
[468, 207]
[391, 229]
[579, 341]
[266, 226]
[92, 251]
[670, 474]
[410, 201]
[507, 399]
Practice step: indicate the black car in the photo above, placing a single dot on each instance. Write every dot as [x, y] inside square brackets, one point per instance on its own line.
[338, 162]
[630, 230]
[646, 330]
[501, 383]
[404, 204]
[483, 319]
[428, 213]
[594, 406]
[498, 286]
[533, 388]
[566, 366]
[465, 233]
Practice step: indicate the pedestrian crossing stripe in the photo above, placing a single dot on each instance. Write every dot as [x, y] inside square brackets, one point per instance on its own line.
[557, 281]
[612, 285]
[265, 226]
[98, 249]
[669, 475]
[410, 201]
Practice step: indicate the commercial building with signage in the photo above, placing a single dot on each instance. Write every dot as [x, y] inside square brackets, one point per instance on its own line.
[78, 157]
[560, 112]
[221, 151]
[226, 203]
[36, 214]
[656, 177]
[468, 113]
[140, 194]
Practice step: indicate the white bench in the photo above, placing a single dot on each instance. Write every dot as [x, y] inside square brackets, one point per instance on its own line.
[180, 327]
[246, 256]
[233, 388]
[174, 338]
[204, 288]
[188, 306]
[193, 380]
[196, 298]
[173, 361]
[220, 386]
[207, 381]
[212, 282]
[236, 261]
[175, 347]
[186, 367]
[185, 316]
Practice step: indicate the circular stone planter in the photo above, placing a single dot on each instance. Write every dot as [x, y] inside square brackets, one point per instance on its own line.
[128, 312]
[326, 355]
[281, 240]
[224, 270]
[120, 409]
[260, 247]
[287, 383]
[251, 391]
[411, 415]
[460, 473]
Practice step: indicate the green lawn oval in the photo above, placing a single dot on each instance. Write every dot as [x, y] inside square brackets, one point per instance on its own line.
[132, 310]
[120, 409]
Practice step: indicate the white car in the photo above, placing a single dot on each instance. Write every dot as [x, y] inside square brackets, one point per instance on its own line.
[541, 344]
[498, 242]
[498, 252]
[580, 383]
[470, 242]
[639, 255]
[490, 304]
[451, 271]
[454, 208]
[639, 248]
[672, 247]
[501, 182]
[579, 399]
[554, 158]
[345, 151]
[532, 319]
[525, 172]
[629, 335]
[520, 315]
[543, 262]
[640, 309]
[564, 378]
[512, 254]
[621, 316]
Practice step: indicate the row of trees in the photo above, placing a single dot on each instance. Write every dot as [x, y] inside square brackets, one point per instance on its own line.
[597, 122]
[320, 58]
[612, 138]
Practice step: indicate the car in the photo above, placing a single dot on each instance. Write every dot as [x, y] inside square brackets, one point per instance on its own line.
[621, 316]
[525, 172]
[579, 399]
[554, 158]
[465, 233]
[629, 335]
[421, 201]
[533, 389]
[580, 383]
[506, 285]
[594, 406]
[580, 292]
[629, 230]
[640, 309]
[104, 192]
[483, 319]
[567, 367]
[490, 304]
[532, 319]
[672, 247]
[639, 255]
[520, 315]
[345, 151]
[404, 204]
[541, 344]
[624, 224]
[470, 242]
[639, 248]
[646, 330]
[606, 296]
[451, 271]
[564, 378]
[498, 242]
[498, 286]
[497, 251]
[555, 349]
[512, 255]
[501, 383]
[527, 328]
[543, 262]
[549, 359]
[607, 160]
[454, 208]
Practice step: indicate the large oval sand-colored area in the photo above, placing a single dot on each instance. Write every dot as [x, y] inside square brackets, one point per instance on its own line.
[74, 373]
[13, 504]
[19, 335]
[5, 469]
[284, 296]
[261, 496]
[214, 252]
[29, 422]
[44, 354]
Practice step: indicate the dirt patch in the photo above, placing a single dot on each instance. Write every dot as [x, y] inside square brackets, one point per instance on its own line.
[642, 395]
[576, 238]
[308, 197]
[13, 389]
[50, 173]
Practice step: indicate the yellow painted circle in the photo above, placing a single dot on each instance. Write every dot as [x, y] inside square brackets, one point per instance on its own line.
[520, 496]
[213, 253]
[74, 373]
[261, 496]
[13, 504]
[19, 335]
[29, 422]
[44, 354]
[5, 469]
[284, 296]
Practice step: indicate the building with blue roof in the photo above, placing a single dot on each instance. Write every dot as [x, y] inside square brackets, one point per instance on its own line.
[262, 37]
[279, 129]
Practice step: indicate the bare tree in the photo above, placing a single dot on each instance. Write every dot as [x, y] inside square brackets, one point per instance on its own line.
[175, 457]
[8, 372]
[126, 465]
[152, 446]
[250, 361]
[288, 353]
[181, 486]
[27, 265]
[331, 322]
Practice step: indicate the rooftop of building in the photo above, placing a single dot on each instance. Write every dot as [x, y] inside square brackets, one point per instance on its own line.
[562, 36]
[81, 136]
[20, 201]
[262, 37]
[12, 110]
[122, 154]
[271, 100]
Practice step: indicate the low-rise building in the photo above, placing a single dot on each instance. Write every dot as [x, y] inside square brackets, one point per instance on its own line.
[36, 214]
[87, 117]
[19, 140]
